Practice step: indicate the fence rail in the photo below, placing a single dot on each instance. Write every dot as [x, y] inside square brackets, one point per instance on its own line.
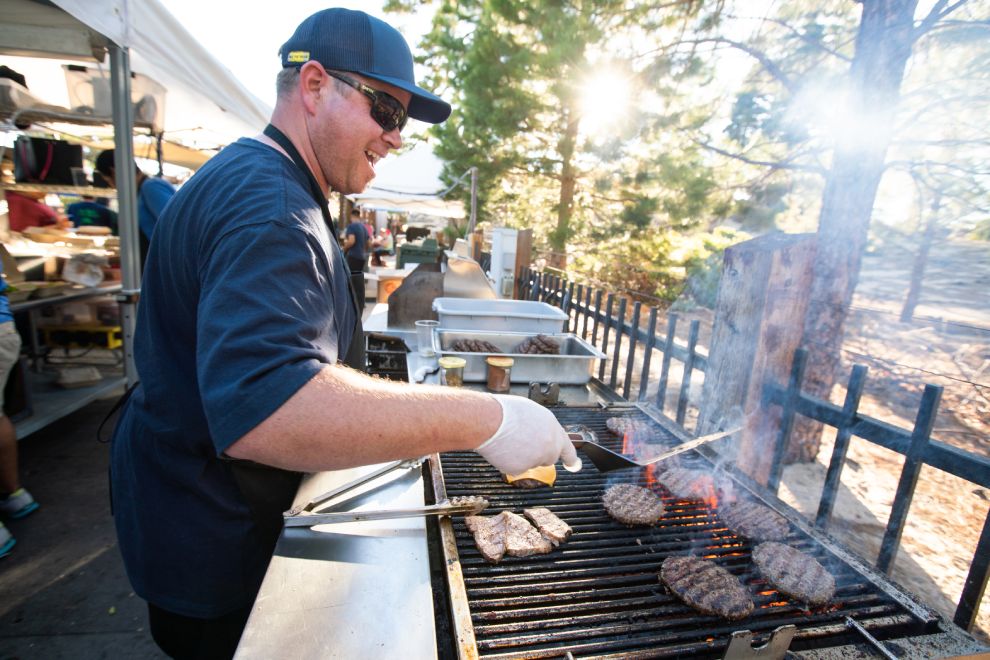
[586, 306]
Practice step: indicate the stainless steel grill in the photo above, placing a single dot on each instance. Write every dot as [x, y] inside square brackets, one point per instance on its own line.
[599, 595]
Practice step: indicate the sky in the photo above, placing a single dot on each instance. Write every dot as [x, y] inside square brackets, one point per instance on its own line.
[245, 35]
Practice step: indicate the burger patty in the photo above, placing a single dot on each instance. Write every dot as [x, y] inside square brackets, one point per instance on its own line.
[549, 525]
[527, 484]
[544, 475]
[506, 534]
[687, 484]
[706, 586]
[632, 505]
[754, 521]
[794, 573]
[622, 425]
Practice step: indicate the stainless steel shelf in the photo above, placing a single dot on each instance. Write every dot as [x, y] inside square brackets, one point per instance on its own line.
[89, 191]
[51, 402]
[70, 296]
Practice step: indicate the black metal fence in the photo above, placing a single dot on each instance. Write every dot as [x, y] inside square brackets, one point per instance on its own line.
[626, 343]
[630, 348]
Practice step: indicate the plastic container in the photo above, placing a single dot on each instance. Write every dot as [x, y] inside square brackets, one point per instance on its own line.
[499, 315]
[89, 93]
[424, 337]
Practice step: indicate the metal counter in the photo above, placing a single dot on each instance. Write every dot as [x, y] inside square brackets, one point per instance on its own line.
[358, 590]
[351, 590]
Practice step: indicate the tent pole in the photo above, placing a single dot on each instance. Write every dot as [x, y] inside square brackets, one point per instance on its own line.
[126, 182]
[474, 200]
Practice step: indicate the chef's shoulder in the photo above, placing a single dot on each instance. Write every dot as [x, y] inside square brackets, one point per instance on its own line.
[249, 183]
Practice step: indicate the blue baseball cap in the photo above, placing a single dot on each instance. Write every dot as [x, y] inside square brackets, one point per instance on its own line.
[350, 40]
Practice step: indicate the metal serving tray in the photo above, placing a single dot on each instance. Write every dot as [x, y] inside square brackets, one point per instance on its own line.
[573, 366]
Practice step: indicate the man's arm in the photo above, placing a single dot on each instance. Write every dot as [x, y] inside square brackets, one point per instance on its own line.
[328, 425]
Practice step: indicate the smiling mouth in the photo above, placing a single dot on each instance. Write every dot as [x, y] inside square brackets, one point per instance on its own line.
[372, 157]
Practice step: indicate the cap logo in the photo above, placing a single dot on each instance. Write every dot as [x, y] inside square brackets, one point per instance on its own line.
[297, 56]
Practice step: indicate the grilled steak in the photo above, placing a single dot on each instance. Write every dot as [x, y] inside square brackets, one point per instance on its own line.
[540, 344]
[687, 484]
[549, 525]
[489, 536]
[474, 346]
[521, 538]
[794, 573]
[632, 505]
[706, 586]
[506, 534]
[754, 521]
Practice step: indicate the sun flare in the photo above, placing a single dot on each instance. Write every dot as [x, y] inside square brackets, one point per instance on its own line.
[604, 99]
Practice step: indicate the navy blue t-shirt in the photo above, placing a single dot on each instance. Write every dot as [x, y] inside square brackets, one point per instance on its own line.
[360, 234]
[244, 299]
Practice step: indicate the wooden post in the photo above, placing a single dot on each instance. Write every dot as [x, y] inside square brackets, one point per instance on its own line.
[524, 255]
[759, 319]
[477, 244]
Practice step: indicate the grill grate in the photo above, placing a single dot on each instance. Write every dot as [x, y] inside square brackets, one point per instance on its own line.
[599, 594]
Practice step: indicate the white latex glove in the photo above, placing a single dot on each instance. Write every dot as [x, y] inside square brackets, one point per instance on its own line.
[529, 436]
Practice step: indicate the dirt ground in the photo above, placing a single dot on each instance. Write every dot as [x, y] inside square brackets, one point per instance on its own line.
[948, 344]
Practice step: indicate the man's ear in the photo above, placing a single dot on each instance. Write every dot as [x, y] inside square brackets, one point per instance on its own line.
[311, 79]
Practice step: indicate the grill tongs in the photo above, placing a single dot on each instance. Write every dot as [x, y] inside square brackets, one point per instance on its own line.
[303, 516]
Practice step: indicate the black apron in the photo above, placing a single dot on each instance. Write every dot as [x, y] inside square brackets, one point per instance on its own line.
[269, 491]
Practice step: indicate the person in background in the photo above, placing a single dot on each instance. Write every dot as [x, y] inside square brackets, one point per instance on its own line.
[25, 209]
[370, 229]
[249, 345]
[357, 244]
[382, 245]
[91, 213]
[15, 501]
[153, 194]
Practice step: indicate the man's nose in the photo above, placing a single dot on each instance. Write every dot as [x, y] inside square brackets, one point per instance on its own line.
[393, 138]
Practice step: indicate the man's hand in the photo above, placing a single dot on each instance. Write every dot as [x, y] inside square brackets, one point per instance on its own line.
[528, 436]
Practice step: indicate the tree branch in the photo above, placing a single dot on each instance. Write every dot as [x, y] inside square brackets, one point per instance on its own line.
[758, 55]
[796, 32]
[937, 13]
[775, 165]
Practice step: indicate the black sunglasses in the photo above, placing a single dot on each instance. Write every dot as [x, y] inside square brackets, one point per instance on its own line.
[385, 108]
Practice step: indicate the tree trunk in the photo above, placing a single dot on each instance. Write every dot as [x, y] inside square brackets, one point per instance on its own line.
[921, 260]
[883, 46]
[565, 207]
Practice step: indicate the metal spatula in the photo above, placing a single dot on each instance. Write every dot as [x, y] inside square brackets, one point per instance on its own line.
[607, 460]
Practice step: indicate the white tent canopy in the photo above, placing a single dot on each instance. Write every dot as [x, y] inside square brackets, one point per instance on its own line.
[163, 49]
[141, 32]
[409, 183]
[206, 106]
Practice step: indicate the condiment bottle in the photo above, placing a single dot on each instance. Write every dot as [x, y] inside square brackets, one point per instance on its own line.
[452, 373]
[499, 373]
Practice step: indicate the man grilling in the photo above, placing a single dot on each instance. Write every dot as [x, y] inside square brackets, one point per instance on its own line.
[247, 329]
